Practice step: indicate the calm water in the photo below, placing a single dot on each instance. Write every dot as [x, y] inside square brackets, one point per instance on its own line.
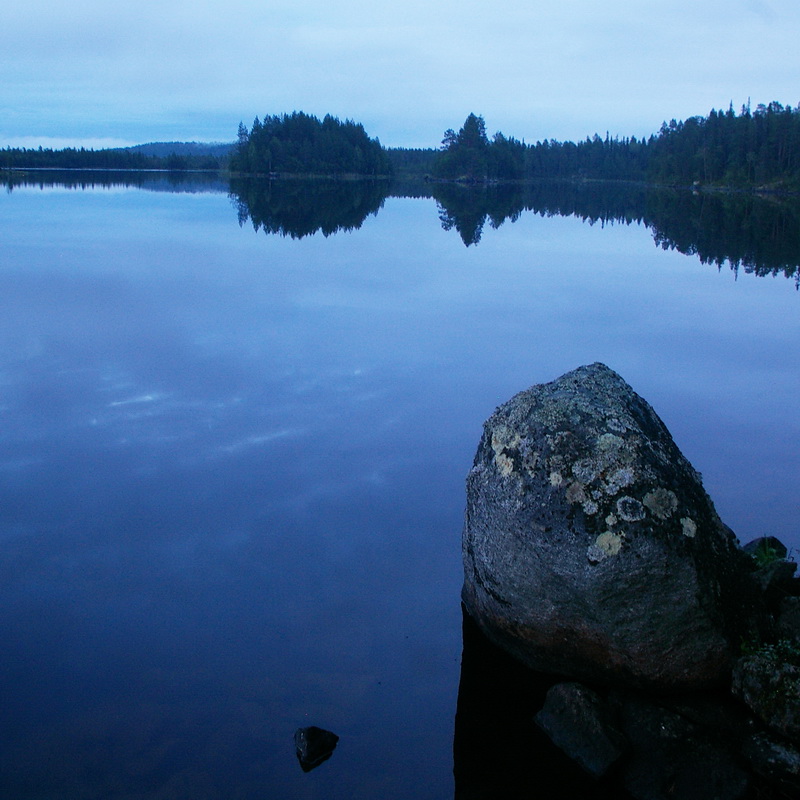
[232, 470]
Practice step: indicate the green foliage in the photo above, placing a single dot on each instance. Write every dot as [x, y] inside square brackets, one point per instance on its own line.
[783, 651]
[765, 555]
[299, 143]
[760, 149]
[176, 156]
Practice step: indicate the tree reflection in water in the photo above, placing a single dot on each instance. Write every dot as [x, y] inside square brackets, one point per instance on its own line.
[757, 234]
[753, 233]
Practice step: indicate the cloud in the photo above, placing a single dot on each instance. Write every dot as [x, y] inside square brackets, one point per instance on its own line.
[407, 71]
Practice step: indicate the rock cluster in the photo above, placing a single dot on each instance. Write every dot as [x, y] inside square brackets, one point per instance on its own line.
[591, 548]
[592, 552]
[731, 744]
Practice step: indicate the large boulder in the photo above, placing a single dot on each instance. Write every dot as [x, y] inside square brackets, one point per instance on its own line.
[591, 548]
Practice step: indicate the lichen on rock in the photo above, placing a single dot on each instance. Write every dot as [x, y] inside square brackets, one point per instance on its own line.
[590, 546]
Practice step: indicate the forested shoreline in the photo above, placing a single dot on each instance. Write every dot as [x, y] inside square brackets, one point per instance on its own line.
[753, 150]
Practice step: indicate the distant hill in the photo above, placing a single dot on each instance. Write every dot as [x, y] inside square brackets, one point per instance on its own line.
[165, 149]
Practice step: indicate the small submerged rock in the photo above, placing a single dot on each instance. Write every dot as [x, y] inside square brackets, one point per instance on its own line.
[314, 745]
[580, 723]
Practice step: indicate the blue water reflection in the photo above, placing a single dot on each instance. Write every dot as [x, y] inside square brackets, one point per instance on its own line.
[231, 470]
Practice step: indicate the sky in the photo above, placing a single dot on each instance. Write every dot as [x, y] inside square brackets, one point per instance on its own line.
[93, 73]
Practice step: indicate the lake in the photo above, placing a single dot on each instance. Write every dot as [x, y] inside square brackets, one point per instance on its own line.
[232, 461]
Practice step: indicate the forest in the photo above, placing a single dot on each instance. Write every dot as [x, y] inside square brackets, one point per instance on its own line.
[175, 156]
[756, 149]
[299, 143]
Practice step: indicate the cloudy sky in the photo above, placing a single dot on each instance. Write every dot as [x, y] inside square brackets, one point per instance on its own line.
[97, 73]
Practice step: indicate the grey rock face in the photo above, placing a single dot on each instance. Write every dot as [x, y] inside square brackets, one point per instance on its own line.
[590, 546]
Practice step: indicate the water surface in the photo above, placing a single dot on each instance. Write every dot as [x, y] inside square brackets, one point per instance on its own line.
[232, 468]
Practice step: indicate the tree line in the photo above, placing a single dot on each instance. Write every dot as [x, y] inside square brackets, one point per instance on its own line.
[753, 149]
[127, 158]
[757, 148]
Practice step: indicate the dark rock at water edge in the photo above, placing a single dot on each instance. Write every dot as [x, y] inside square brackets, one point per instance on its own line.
[775, 760]
[788, 620]
[769, 684]
[580, 723]
[590, 547]
[672, 757]
[314, 746]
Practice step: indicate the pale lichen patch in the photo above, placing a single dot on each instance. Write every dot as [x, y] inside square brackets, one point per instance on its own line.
[556, 479]
[609, 442]
[609, 542]
[689, 527]
[611, 520]
[505, 464]
[630, 509]
[585, 470]
[619, 480]
[503, 440]
[605, 545]
[661, 502]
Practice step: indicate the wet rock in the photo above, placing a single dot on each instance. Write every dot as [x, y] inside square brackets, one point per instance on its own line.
[717, 713]
[314, 745]
[788, 623]
[590, 547]
[775, 581]
[775, 760]
[769, 684]
[673, 759]
[580, 723]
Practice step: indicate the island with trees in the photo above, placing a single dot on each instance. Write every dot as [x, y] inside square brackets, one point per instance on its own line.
[299, 143]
